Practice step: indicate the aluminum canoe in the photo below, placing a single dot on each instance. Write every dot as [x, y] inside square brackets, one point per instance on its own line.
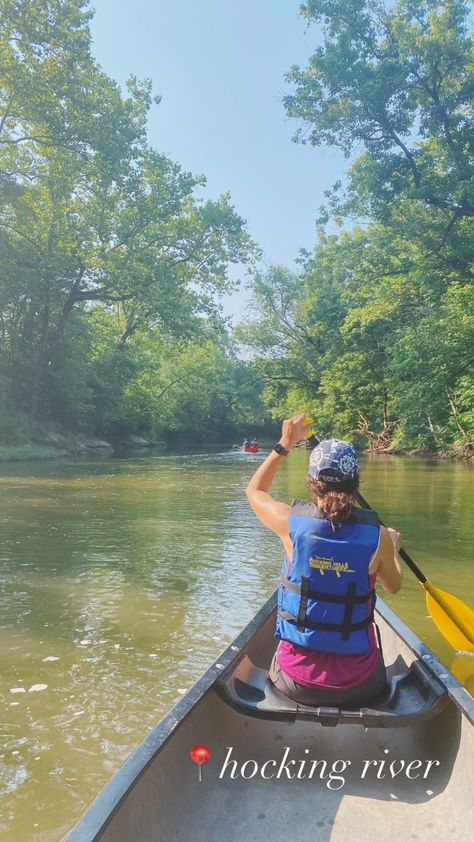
[416, 745]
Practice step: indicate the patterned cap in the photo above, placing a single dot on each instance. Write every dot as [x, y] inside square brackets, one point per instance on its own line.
[334, 461]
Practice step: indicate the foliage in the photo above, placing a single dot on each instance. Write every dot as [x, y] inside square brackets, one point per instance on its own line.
[374, 336]
[112, 266]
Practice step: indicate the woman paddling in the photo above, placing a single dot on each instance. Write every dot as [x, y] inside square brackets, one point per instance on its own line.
[328, 651]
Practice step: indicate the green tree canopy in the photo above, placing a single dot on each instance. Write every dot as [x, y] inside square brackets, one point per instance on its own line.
[92, 216]
[374, 335]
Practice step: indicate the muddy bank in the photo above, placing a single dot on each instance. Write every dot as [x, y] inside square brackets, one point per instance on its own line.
[53, 441]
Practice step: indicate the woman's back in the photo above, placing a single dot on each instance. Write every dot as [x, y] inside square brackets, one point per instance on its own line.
[328, 669]
[328, 649]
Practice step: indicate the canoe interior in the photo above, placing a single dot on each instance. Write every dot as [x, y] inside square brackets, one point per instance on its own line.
[157, 795]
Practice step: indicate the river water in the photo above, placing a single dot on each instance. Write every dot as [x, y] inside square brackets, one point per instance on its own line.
[123, 579]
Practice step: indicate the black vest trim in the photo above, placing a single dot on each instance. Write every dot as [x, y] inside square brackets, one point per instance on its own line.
[326, 597]
[333, 627]
[301, 621]
[350, 600]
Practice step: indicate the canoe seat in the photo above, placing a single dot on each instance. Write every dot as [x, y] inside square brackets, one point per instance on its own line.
[410, 696]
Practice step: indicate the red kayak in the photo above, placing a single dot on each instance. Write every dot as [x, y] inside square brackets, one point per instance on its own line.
[251, 449]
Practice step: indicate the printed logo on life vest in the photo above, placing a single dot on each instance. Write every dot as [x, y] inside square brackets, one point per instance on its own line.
[328, 564]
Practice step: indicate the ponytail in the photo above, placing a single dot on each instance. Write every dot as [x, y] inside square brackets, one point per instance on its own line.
[334, 502]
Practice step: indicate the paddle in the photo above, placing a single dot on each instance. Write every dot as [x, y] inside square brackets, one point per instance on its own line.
[453, 618]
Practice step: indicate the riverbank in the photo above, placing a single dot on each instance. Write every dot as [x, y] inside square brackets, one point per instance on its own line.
[463, 454]
[29, 451]
[52, 441]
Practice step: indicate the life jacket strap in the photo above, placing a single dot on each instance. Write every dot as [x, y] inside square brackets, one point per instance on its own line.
[300, 623]
[379, 638]
[326, 597]
[332, 627]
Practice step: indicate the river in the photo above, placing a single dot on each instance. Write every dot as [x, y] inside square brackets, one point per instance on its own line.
[123, 578]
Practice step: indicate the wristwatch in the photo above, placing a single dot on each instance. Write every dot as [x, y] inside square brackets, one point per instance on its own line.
[282, 451]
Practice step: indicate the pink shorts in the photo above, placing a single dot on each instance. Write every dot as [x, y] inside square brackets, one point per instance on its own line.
[361, 694]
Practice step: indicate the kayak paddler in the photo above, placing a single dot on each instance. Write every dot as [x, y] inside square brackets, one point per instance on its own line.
[328, 651]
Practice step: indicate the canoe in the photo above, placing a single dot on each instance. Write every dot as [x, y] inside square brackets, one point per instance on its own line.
[250, 449]
[278, 770]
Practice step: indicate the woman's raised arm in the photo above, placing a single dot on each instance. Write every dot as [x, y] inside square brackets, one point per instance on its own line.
[272, 513]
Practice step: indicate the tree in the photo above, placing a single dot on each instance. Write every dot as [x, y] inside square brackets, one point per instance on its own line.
[91, 214]
[398, 81]
[389, 307]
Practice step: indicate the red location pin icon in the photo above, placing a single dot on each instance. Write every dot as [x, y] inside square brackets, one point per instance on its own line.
[200, 754]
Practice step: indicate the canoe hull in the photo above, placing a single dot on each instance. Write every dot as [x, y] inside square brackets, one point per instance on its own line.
[235, 802]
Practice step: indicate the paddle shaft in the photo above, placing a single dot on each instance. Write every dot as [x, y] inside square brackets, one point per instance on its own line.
[362, 502]
[401, 552]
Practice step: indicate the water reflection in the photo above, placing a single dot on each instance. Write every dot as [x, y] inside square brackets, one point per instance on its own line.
[462, 666]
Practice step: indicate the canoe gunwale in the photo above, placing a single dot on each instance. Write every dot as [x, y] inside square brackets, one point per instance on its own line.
[455, 690]
[100, 812]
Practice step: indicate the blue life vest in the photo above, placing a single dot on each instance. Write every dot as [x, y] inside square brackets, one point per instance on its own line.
[324, 600]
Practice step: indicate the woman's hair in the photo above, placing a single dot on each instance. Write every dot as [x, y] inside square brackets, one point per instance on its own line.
[335, 503]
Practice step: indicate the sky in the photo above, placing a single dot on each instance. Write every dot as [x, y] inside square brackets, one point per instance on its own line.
[219, 67]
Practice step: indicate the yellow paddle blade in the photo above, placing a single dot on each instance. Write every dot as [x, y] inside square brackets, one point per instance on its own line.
[454, 619]
[308, 420]
[462, 667]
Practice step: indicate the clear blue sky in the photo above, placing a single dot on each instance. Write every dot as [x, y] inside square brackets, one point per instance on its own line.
[219, 68]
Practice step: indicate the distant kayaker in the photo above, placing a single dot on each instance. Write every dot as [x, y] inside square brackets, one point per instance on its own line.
[328, 651]
[246, 443]
[254, 443]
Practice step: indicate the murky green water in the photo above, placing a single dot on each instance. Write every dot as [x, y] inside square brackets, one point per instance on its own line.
[122, 579]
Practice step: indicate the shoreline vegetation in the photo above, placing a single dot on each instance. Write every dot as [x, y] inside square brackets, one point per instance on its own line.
[114, 266]
[56, 442]
[36, 452]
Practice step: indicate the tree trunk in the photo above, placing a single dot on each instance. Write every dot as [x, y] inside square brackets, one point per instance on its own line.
[42, 361]
[454, 412]
[385, 409]
[380, 442]
[432, 430]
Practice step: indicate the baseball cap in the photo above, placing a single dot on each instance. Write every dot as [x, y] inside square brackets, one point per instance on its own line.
[334, 461]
